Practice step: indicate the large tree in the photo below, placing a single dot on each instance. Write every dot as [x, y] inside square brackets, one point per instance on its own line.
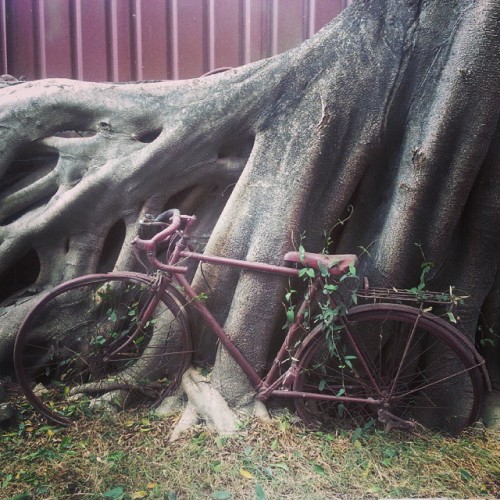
[388, 117]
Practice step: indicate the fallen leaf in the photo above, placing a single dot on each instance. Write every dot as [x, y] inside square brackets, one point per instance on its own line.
[246, 474]
[221, 495]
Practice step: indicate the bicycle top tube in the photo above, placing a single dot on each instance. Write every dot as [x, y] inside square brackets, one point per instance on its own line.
[336, 264]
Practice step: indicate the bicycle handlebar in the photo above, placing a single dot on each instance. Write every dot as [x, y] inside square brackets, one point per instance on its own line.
[149, 245]
[168, 214]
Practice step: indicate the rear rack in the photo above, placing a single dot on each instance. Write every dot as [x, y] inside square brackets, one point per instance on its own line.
[393, 294]
[404, 295]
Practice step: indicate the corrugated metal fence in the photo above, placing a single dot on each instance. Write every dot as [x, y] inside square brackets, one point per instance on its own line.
[125, 40]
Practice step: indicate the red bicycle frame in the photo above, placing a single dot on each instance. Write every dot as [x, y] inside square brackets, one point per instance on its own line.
[266, 386]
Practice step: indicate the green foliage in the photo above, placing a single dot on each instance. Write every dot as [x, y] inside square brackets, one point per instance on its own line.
[425, 269]
[488, 336]
[116, 493]
[327, 308]
[422, 295]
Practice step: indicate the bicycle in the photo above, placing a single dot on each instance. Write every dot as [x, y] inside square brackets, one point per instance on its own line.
[125, 337]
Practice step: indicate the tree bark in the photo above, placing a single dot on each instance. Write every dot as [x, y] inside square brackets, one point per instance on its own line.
[390, 114]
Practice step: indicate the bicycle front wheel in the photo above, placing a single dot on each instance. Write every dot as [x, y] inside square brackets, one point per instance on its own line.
[97, 342]
[392, 363]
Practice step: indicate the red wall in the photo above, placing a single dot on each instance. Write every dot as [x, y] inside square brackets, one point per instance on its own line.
[123, 40]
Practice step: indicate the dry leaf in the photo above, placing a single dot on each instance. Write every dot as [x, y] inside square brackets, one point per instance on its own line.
[246, 474]
[140, 494]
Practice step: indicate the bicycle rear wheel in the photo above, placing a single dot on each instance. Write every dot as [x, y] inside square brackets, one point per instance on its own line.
[402, 367]
[88, 345]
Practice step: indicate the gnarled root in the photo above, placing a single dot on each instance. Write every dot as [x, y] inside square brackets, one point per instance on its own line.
[196, 397]
[205, 404]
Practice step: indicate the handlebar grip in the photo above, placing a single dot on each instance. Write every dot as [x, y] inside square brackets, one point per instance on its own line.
[167, 215]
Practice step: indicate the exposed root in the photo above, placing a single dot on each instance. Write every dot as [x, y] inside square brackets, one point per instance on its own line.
[147, 389]
[101, 386]
[258, 410]
[204, 404]
[111, 402]
[173, 403]
[188, 419]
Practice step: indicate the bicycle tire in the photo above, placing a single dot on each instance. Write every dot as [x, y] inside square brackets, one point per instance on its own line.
[81, 348]
[408, 368]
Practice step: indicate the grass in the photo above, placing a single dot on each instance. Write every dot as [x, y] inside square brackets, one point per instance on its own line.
[129, 457]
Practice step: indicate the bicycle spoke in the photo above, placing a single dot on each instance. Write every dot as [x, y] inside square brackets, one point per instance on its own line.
[403, 358]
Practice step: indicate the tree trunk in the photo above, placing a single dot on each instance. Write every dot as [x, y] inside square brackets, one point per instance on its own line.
[389, 115]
